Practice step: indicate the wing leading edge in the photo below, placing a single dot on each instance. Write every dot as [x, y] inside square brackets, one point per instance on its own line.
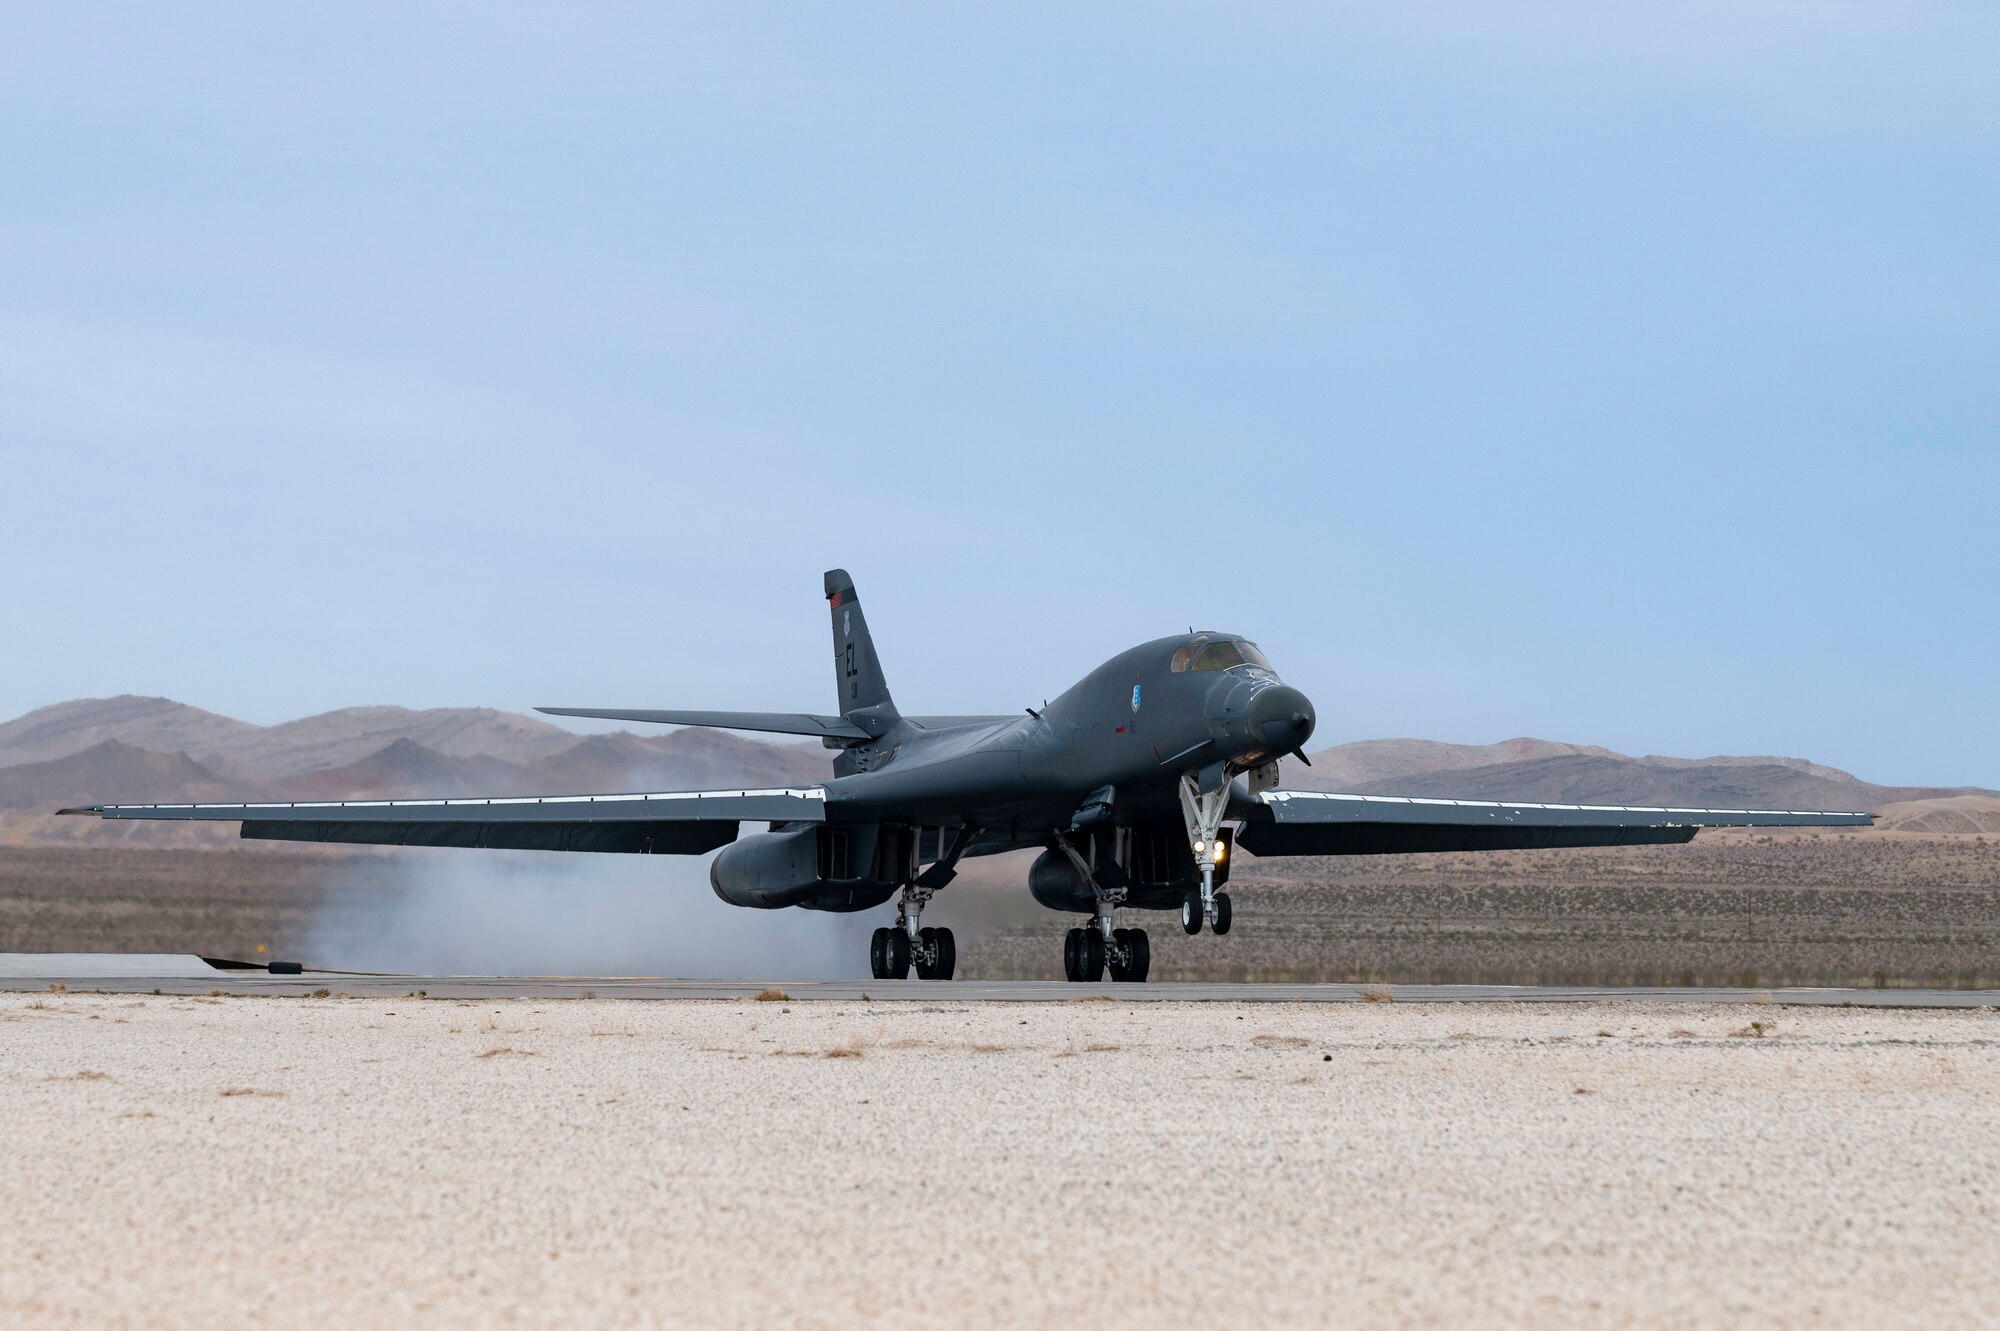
[681, 822]
[1308, 822]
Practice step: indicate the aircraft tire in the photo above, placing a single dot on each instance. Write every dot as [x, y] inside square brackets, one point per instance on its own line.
[928, 937]
[947, 955]
[1191, 912]
[878, 954]
[1122, 937]
[1221, 913]
[897, 955]
[1141, 963]
[1072, 946]
[1090, 955]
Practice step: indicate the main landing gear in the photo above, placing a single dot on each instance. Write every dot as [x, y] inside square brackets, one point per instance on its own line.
[1097, 947]
[893, 951]
[1088, 954]
[934, 952]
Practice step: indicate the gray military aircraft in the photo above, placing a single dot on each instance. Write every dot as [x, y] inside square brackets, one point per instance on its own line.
[1138, 783]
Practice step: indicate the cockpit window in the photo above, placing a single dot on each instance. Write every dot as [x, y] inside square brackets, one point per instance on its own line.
[1203, 654]
[1218, 656]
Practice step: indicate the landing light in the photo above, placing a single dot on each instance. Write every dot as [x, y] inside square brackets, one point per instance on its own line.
[1221, 849]
[1200, 846]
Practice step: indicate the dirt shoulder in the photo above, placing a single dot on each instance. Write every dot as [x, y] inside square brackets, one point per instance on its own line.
[174, 1162]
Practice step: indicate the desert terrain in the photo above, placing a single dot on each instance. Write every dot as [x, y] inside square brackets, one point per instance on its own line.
[1817, 908]
[1913, 901]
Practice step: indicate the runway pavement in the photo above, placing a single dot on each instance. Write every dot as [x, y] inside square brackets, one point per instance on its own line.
[111, 973]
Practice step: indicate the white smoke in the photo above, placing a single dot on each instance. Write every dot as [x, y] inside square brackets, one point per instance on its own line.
[535, 913]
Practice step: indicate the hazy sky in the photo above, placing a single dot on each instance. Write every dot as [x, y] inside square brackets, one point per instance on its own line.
[1623, 374]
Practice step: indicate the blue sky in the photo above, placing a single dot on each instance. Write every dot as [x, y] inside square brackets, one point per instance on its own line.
[1620, 374]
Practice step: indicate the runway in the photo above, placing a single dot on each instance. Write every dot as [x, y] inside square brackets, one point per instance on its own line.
[172, 974]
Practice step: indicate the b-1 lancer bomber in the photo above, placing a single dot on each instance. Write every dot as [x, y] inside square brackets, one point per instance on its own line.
[1138, 784]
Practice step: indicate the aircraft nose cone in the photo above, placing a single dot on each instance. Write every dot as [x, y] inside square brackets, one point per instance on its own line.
[1282, 717]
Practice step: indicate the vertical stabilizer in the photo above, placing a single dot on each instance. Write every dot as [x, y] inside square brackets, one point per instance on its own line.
[864, 694]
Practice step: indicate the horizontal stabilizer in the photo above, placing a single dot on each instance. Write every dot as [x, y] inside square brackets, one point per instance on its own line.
[780, 723]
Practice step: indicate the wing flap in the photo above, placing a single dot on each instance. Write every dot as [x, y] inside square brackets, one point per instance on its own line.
[687, 838]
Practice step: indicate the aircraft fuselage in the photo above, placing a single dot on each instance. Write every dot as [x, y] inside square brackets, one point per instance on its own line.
[1135, 724]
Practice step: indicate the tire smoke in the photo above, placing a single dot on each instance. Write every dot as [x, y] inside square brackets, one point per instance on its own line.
[532, 913]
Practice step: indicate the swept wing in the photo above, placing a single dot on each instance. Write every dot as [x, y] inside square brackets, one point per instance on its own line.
[1310, 822]
[680, 822]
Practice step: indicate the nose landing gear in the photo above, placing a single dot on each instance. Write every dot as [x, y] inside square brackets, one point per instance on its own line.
[1215, 912]
[1203, 811]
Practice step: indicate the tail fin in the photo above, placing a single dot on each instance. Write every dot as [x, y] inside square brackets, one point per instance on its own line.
[857, 673]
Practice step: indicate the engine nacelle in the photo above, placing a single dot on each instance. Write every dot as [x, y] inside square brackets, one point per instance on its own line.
[1159, 867]
[797, 866]
[1055, 883]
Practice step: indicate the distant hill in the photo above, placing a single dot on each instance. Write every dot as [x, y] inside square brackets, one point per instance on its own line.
[1548, 772]
[329, 740]
[1349, 767]
[1957, 815]
[590, 765]
[156, 724]
[403, 768]
[135, 750]
[336, 739]
[108, 772]
[685, 759]
[113, 773]
[1581, 779]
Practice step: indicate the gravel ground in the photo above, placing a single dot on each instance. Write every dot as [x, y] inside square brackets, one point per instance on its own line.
[173, 1162]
